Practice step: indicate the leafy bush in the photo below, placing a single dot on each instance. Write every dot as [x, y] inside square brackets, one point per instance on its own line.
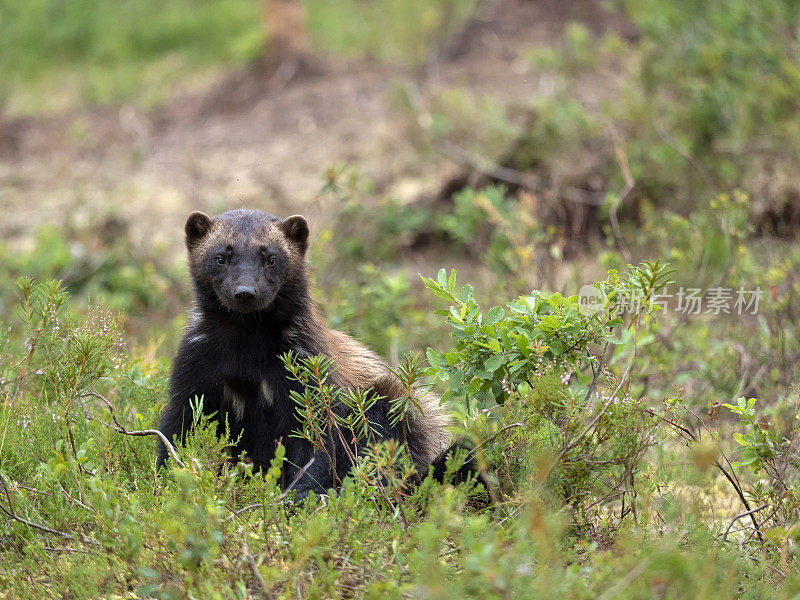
[705, 106]
[744, 348]
[514, 365]
[504, 233]
[497, 229]
[377, 307]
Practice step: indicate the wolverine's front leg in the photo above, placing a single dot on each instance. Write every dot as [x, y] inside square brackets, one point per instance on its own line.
[320, 470]
[315, 477]
[189, 381]
[175, 419]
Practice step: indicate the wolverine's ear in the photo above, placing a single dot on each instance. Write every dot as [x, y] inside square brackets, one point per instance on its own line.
[197, 226]
[296, 229]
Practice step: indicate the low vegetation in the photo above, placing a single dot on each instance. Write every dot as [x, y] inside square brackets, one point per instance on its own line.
[580, 470]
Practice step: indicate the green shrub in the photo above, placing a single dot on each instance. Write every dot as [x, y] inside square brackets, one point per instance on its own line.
[513, 366]
[503, 232]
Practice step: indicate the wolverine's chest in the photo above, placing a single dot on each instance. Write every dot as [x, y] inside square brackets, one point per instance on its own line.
[240, 396]
[246, 372]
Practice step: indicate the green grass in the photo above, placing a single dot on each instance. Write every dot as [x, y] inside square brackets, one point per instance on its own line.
[402, 31]
[56, 54]
[59, 55]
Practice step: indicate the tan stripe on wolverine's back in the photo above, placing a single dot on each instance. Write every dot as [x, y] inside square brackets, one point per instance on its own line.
[358, 366]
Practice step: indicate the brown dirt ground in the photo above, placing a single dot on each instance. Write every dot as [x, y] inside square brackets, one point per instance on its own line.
[263, 141]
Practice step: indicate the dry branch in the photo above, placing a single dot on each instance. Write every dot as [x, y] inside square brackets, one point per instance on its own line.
[117, 426]
[12, 514]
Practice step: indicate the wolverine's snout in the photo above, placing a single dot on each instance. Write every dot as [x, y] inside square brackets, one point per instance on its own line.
[244, 293]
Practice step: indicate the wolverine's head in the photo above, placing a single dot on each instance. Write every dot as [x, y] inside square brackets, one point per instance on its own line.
[243, 258]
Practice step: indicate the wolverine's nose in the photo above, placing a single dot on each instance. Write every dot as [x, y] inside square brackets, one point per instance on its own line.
[244, 293]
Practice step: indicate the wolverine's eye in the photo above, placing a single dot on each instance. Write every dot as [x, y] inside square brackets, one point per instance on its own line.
[220, 259]
[268, 258]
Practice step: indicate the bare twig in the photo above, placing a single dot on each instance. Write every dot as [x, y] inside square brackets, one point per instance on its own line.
[670, 141]
[75, 500]
[236, 513]
[740, 493]
[597, 368]
[491, 438]
[672, 423]
[64, 549]
[600, 414]
[144, 432]
[751, 512]
[31, 489]
[622, 159]
[256, 574]
[12, 514]
[730, 475]
[764, 521]
[526, 180]
[484, 166]
[776, 569]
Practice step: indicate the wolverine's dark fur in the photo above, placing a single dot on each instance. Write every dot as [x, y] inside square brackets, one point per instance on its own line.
[251, 305]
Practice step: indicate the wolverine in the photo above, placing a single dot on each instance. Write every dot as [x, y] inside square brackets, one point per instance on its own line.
[252, 305]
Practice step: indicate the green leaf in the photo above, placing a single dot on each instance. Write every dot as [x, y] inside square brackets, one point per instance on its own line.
[148, 572]
[748, 459]
[441, 277]
[433, 358]
[550, 322]
[495, 315]
[455, 380]
[498, 392]
[513, 369]
[494, 362]
[440, 293]
[451, 282]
